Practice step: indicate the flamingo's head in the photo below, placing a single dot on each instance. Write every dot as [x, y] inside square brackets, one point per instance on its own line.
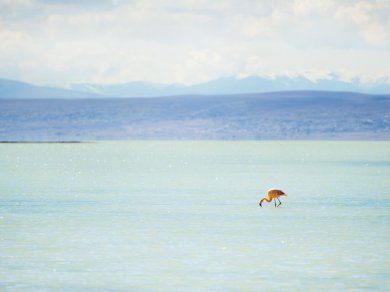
[260, 204]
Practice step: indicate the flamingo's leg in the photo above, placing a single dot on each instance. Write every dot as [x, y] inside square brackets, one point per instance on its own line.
[275, 201]
[279, 202]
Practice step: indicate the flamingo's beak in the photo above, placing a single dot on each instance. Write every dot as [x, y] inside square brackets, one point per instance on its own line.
[260, 204]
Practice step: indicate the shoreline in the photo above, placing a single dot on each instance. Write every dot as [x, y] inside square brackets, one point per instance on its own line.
[194, 140]
[43, 142]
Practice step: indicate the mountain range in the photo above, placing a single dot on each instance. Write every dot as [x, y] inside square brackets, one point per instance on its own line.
[229, 85]
[12, 89]
[251, 108]
[232, 85]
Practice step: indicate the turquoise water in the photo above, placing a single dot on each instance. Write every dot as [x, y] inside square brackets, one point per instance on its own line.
[184, 215]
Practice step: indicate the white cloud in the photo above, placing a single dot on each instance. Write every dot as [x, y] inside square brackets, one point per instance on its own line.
[12, 39]
[370, 19]
[357, 13]
[61, 42]
[308, 7]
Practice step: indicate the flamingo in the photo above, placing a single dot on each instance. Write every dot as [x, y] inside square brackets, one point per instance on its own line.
[273, 194]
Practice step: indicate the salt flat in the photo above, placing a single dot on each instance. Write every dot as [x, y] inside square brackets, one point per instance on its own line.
[185, 215]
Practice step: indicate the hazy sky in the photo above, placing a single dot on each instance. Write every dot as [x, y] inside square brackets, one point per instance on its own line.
[56, 42]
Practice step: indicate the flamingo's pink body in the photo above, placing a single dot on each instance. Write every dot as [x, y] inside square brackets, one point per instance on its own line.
[273, 194]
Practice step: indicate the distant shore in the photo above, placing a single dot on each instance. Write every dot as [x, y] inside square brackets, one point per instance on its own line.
[43, 142]
[304, 115]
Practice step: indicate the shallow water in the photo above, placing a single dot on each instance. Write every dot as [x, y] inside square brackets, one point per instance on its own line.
[185, 215]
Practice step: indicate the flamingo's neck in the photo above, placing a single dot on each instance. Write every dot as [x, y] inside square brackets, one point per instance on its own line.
[265, 199]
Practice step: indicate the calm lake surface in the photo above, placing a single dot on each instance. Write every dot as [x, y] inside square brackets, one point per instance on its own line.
[185, 216]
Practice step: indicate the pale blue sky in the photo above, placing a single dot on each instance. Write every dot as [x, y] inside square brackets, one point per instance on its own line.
[53, 42]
